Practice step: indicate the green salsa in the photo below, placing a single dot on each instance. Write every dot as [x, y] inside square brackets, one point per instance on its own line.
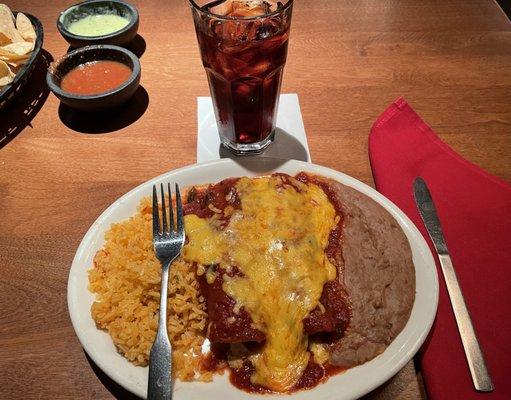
[97, 25]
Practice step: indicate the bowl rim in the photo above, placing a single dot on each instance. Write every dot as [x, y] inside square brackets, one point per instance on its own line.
[67, 34]
[135, 72]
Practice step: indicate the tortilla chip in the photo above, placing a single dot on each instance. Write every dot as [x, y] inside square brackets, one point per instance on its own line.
[5, 12]
[13, 58]
[7, 27]
[6, 75]
[16, 63]
[4, 39]
[25, 28]
[16, 49]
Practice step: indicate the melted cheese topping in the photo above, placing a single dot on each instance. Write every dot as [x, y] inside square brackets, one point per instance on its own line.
[277, 240]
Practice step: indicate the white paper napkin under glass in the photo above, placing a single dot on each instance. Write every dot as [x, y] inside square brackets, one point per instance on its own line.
[290, 138]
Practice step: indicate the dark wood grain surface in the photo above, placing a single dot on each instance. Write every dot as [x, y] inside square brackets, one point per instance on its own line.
[347, 61]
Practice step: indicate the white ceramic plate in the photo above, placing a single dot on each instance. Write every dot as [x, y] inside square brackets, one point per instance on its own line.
[349, 385]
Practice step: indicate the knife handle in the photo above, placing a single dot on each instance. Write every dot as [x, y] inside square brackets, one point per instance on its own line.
[478, 370]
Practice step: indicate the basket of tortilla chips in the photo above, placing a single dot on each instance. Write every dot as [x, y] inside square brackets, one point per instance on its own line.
[21, 39]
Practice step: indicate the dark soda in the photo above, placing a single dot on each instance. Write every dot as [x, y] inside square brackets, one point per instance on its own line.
[244, 51]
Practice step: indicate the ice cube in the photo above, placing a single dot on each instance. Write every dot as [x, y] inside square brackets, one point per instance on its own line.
[242, 30]
[243, 8]
[252, 8]
[260, 68]
[246, 88]
[224, 8]
[266, 29]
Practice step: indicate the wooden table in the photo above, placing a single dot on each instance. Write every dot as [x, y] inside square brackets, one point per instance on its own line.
[347, 61]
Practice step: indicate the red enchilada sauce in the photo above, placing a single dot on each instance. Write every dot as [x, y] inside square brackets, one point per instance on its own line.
[214, 199]
[95, 77]
[313, 375]
[330, 323]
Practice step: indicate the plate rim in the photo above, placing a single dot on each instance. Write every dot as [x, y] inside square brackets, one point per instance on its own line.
[273, 163]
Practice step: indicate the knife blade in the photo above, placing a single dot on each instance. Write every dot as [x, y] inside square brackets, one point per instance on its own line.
[475, 358]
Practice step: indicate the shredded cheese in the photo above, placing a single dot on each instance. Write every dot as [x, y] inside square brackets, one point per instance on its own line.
[277, 240]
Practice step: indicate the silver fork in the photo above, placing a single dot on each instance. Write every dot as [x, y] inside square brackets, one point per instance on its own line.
[167, 246]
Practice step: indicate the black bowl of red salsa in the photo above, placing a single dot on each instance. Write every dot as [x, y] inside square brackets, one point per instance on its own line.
[95, 78]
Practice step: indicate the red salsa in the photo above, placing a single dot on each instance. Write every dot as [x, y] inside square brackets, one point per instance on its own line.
[95, 77]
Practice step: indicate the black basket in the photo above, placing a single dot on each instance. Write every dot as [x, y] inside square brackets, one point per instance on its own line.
[7, 93]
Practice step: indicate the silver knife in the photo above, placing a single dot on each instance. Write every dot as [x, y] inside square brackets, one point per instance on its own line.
[480, 375]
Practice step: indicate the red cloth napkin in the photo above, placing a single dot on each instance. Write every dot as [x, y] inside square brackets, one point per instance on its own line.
[475, 211]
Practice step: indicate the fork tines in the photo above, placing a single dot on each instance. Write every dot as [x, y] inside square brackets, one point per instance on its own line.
[164, 228]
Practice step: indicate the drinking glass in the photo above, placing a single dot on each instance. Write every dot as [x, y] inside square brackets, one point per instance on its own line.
[243, 45]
